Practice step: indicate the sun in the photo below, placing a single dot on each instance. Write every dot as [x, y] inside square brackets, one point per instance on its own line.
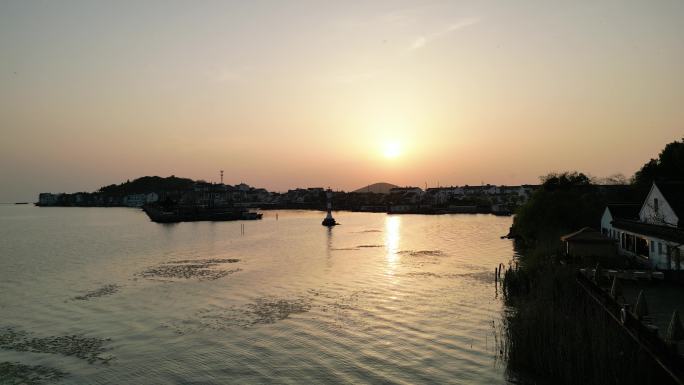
[391, 150]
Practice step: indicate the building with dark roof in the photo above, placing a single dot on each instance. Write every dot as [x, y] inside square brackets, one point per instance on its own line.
[618, 211]
[588, 242]
[655, 236]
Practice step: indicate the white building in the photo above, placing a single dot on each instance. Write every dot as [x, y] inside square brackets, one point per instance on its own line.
[658, 209]
[612, 212]
[656, 237]
[403, 190]
[135, 200]
[260, 195]
[443, 195]
[48, 199]
[151, 197]
[408, 194]
[490, 190]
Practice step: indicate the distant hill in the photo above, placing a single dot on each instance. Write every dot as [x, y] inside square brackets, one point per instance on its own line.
[378, 188]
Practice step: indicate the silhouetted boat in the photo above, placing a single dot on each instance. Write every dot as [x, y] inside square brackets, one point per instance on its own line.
[251, 215]
[162, 214]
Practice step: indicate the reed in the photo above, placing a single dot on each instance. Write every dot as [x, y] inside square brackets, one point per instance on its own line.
[555, 331]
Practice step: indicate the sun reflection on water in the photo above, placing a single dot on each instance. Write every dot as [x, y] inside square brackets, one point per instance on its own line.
[392, 225]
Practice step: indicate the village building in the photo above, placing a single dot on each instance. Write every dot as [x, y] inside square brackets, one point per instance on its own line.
[656, 236]
[151, 197]
[406, 195]
[618, 211]
[405, 190]
[48, 199]
[135, 200]
[442, 195]
[588, 242]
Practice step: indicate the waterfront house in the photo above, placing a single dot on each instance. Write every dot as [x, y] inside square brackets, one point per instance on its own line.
[406, 195]
[259, 195]
[503, 199]
[400, 209]
[490, 190]
[151, 197]
[135, 200]
[588, 242]
[442, 195]
[405, 190]
[138, 200]
[656, 237]
[48, 199]
[618, 211]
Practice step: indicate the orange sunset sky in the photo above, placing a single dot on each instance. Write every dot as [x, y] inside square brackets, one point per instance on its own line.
[312, 93]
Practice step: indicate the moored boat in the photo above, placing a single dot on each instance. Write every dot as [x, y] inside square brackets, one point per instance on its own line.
[173, 214]
[251, 215]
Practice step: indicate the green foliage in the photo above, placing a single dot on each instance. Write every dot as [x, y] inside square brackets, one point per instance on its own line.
[565, 180]
[564, 203]
[148, 184]
[669, 165]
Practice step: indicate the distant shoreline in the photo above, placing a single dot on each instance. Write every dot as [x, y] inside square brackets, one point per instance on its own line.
[323, 210]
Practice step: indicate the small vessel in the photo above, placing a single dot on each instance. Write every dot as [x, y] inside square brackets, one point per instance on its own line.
[173, 214]
[251, 215]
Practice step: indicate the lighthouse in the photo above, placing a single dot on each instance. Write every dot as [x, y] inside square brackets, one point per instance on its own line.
[329, 220]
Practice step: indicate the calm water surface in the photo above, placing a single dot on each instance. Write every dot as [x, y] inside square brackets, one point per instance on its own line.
[381, 299]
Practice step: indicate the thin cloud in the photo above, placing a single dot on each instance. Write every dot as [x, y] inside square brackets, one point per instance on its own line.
[422, 41]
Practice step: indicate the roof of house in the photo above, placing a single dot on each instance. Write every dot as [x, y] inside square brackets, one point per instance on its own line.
[624, 210]
[404, 189]
[586, 235]
[667, 233]
[674, 193]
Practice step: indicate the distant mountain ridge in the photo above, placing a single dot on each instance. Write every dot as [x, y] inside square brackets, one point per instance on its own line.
[378, 188]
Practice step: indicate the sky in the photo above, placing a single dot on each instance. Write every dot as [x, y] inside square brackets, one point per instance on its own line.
[287, 94]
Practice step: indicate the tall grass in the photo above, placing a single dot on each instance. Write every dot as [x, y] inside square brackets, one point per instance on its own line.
[556, 332]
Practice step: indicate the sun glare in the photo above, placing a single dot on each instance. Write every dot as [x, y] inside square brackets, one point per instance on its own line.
[392, 150]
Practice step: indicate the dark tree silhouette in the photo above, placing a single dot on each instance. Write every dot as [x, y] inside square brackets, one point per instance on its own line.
[148, 184]
[669, 165]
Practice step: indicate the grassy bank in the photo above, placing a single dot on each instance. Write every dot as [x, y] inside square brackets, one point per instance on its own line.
[555, 333]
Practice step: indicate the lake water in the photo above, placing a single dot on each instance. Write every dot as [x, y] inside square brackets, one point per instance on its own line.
[104, 296]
